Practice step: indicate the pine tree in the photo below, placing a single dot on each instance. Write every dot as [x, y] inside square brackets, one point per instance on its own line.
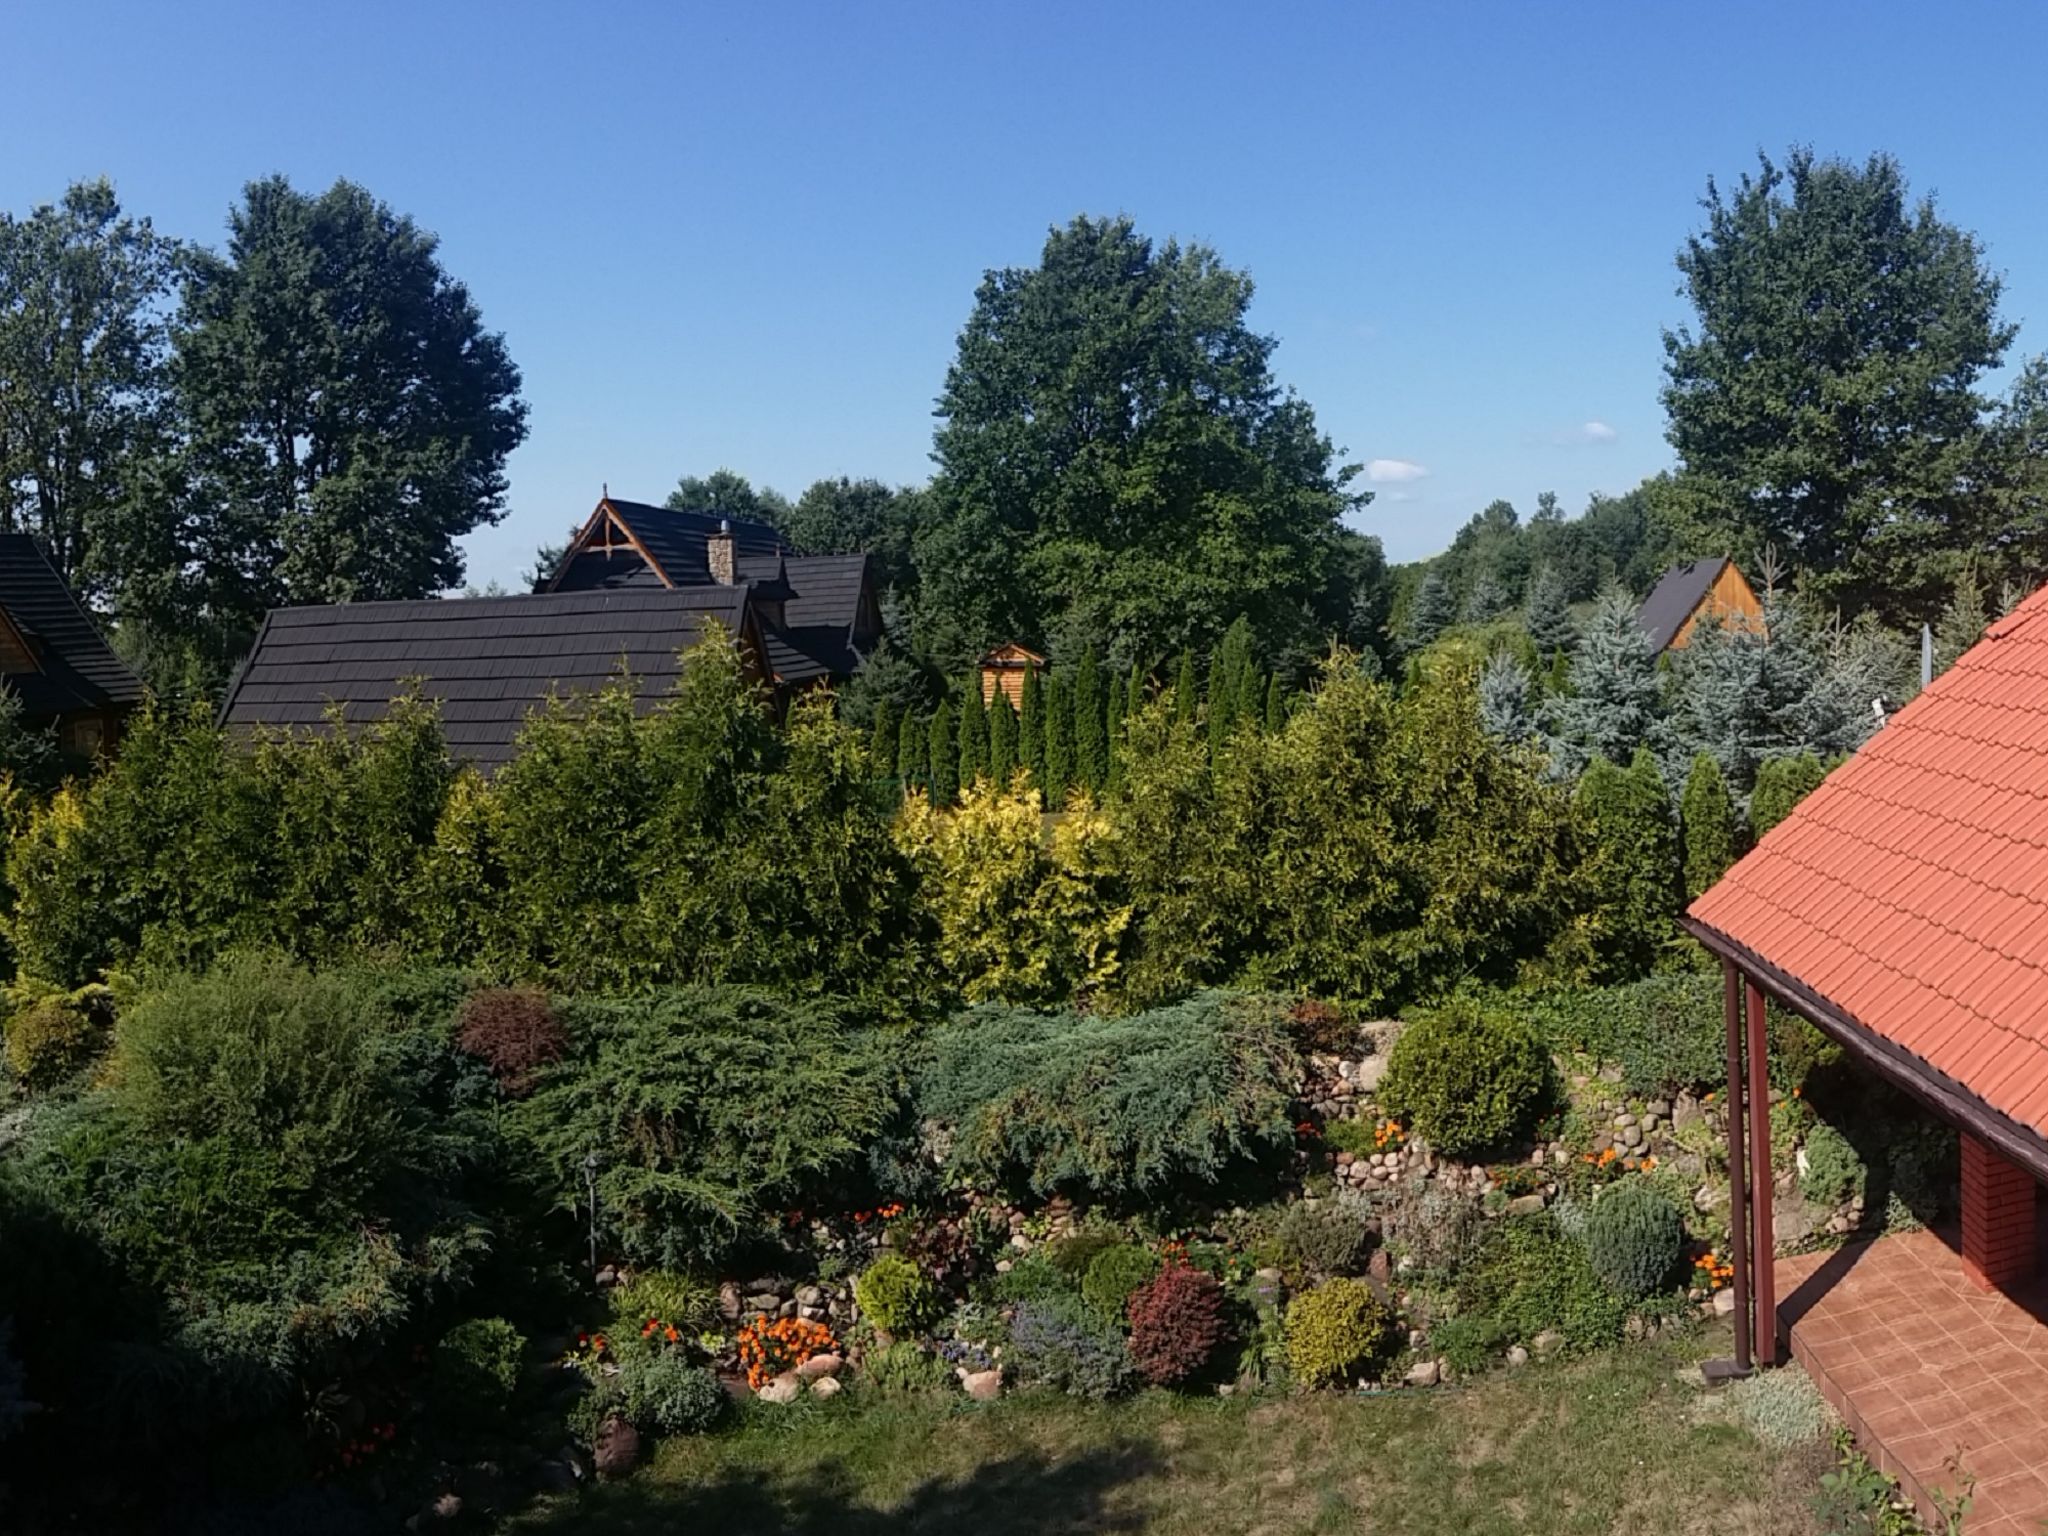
[1964, 618]
[1184, 690]
[1548, 614]
[1276, 705]
[945, 756]
[973, 731]
[1091, 725]
[1002, 741]
[1031, 728]
[1707, 822]
[911, 749]
[1113, 736]
[1431, 612]
[1059, 741]
[1505, 699]
[1614, 706]
[882, 739]
[1633, 874]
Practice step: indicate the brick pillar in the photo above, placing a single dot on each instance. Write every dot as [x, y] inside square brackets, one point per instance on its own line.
[1998, 1218]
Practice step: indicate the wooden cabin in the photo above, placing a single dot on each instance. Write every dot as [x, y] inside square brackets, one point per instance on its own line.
[1714, 589]
[1005, 668]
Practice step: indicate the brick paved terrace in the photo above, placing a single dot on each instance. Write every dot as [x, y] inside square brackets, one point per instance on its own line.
[1927, 1365]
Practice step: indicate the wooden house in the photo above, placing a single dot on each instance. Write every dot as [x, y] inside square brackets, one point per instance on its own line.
[1714, 589]
[636, 585]
[53, 658]
[1005, 668]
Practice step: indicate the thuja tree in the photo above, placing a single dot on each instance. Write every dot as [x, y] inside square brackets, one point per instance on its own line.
[973, 731]
[1091, 725]
[1707, 823]
[1002, 740]
[1633, 872]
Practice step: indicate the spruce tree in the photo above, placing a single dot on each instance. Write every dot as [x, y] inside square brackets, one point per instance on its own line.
[1486, 599]
[1184, 704]
[1059, 741]
[945, 756]
[973, 731]
[1091, 725]
[1276, 705]
[1615, 702]
[1548, 614]
[1031, 729]
[1002, 741]
[1430, 614]
[911, 749]
[1964, 618]
[1706, 817]
[882, 738]
[1506, 710]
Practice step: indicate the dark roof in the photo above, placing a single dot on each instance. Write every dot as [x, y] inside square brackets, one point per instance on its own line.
[488, 660]
[677, 539]
[1678, 592]
[80, 672]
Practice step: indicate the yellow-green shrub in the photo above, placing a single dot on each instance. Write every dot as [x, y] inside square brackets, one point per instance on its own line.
[1020, 918]
[54, 1037]
[1334, 1329]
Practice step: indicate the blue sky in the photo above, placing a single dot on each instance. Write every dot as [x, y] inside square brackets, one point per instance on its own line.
[748, 235]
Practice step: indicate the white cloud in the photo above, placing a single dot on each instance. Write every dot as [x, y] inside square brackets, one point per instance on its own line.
[1598, 432]
[1393, 471]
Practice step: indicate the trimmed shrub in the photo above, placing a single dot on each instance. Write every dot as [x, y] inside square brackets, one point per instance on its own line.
[662, 1295]
[1176, 1325]
[1469, 1344]
[1114, 1109]
[1831, 1169]
[514, 1032]
[1035, 1277]
[1114, 1274]
[1781, 783]
[895, 1296]
[1071, 1256]
[1062, 1344]
[1634, 1237]
[1531, 1278]
[1664, 1032]
[1467, 1081]
[1334, 1330]
[711, 1111]
[1324, 1238]
[1350, 1135]
[907, 1367]
[476, 1370]
[52, 1040]
[660, 1390]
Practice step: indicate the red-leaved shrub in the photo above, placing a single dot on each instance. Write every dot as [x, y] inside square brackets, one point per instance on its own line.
[1176, 1324]
[1320, 1029]
[513, 1031]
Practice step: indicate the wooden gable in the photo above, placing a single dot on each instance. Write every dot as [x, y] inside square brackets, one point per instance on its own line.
[1730, 602]
[1005, 668]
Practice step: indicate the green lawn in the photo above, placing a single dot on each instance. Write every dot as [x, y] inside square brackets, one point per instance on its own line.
[1613, 1444]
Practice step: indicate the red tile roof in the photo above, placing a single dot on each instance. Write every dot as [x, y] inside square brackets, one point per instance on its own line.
[1911, 889]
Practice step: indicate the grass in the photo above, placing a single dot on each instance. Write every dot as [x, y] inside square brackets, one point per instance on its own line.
[1611, 1444]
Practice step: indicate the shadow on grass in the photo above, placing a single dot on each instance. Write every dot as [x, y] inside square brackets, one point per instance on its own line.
[1029, 1493]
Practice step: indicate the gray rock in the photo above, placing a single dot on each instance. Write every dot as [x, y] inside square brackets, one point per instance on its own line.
[1525, 1205]
[826, 1387]
[618, 1449]
[1660, 1108]
[1367, 1077]
[1632, 1135]
[783, 1389]
[1424, 1373]
[1547, 1343]
[1518, 1355]
[729, 1302]
[809, 1296]
[1724, 1302]
[820, 1366]
[983, 1386]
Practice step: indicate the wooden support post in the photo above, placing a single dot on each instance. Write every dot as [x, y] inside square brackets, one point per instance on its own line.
[1738, 1214]
[1763, 1242]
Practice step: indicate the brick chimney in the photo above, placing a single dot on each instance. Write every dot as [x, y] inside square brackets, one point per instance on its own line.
[719, 554]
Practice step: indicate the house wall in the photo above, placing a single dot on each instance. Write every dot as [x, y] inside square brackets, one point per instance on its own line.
[1009, 679]
[1731, 599]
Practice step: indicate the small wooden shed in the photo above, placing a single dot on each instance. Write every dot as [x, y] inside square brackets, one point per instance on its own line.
[1005, 668]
